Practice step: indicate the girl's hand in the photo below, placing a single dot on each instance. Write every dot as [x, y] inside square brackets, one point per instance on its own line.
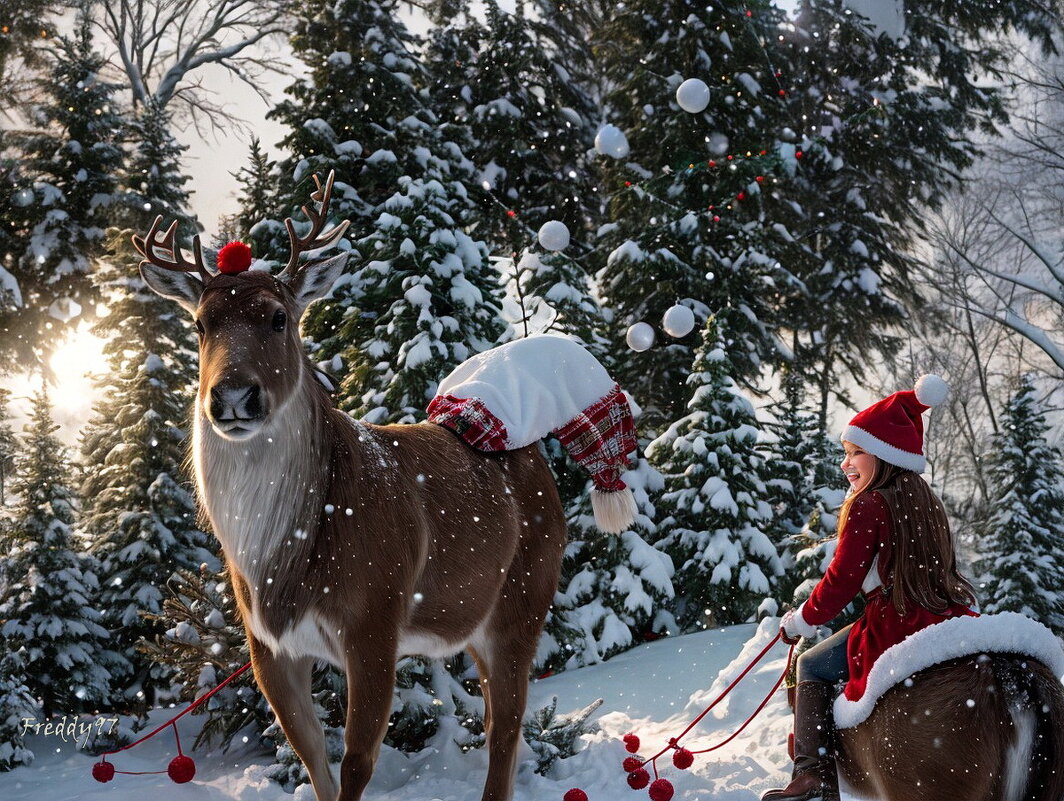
[787, 631]
[793, 627]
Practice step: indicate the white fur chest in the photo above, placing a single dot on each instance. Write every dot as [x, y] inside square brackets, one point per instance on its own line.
[250, 489]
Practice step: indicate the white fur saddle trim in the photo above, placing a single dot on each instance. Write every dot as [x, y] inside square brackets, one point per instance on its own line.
[1006, 632]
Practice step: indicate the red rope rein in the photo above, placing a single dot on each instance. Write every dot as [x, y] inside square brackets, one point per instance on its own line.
[673, 743]
[108, 772]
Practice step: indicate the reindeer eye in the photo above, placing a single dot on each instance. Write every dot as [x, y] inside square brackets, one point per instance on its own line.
[199, 327]
[279, 320]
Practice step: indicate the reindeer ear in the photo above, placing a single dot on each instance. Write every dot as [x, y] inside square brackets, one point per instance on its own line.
[185, 288]
[316, 279]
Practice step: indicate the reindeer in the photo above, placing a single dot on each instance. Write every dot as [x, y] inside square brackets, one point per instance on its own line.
[980, 728]
[352, 543]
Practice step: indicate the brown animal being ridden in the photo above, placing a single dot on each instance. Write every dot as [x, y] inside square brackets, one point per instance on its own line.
[981, 728]
[349, 542]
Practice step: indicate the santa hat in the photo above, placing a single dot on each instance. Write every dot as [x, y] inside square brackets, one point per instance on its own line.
[893, 429]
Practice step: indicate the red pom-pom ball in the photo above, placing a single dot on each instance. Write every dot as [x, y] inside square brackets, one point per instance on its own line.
[631, 763]
[682, 758]
[576, 794]
[661, 790]
[234, 258]
[103, 771]
[181, 769]
[638, 779]
[631, 743]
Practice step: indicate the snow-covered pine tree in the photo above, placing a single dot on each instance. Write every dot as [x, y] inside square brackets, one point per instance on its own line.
[714, 505]
[868, 146]
[686, 218]
[72, 156]
[8, 447]
[16, 204]
[528, 126]
[16, 703]
[805, 487]
[258, 187]
[1019, 569]
[153, 182]
[421, 294]
[49, 602]
[615, 589]
[139, 511]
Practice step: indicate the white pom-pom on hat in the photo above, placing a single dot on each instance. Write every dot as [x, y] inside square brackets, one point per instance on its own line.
[931, 390]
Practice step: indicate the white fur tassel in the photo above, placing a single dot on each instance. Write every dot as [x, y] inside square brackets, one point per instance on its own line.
[614, 511]
[931, 390]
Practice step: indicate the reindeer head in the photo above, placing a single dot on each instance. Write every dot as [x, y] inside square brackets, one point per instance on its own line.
[251, 356]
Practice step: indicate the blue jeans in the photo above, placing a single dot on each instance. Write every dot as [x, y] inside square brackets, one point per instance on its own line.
[826, 661]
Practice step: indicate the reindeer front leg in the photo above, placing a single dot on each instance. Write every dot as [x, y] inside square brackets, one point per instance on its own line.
[286, 684]
[370, 681]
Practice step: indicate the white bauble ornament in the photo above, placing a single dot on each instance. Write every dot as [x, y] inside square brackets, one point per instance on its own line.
[693, 95]
[611, 141]
[640, 337]
[678, 321]
[553, 235]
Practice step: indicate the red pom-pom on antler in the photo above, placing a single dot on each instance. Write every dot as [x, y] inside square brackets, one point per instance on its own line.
[682, 758]
[103, 771]
[661, 790]
[631, 763]
[576, 794]
[234, 258]
[638, 779]
[631, 743]
[181, 769]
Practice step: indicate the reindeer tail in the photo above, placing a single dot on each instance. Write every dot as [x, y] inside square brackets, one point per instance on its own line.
[1035, 767]
[614, 511]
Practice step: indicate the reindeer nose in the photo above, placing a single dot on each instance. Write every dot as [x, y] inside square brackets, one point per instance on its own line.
[236, 403]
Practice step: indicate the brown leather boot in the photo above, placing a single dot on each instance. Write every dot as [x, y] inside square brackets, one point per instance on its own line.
[814, 773]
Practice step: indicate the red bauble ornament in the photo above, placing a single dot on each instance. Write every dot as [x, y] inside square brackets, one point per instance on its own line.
[181, 769]
[782, 93]
[638, 779]
[234, 258]
[103, 771]
[661, 790]
[576, 794]
[511, 213]
[712, 163]
[798, 154]
[627, 183]
[760, 179]
[741, 196]
[682, 758]
[716, 218]
[631, 743]
[631, 763]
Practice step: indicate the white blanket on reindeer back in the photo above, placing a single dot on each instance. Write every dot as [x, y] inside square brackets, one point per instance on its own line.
[1005, 632]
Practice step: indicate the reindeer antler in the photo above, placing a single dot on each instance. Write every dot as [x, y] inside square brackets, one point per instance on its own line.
[177, 262]
[315, 239]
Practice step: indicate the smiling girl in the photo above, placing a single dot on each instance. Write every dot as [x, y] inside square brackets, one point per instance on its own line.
[896, 548]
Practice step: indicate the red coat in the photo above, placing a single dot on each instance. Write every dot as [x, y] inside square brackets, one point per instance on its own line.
[867, 534]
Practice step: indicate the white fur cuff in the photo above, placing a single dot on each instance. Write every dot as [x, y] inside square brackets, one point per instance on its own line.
[801, 626]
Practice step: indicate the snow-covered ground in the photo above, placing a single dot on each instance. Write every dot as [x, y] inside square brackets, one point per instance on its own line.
[654, 690]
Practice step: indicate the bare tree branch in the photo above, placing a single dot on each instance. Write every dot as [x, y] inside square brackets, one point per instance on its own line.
[161, 45]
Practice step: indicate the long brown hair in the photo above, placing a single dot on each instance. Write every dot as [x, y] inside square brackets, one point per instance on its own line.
[924, 566]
